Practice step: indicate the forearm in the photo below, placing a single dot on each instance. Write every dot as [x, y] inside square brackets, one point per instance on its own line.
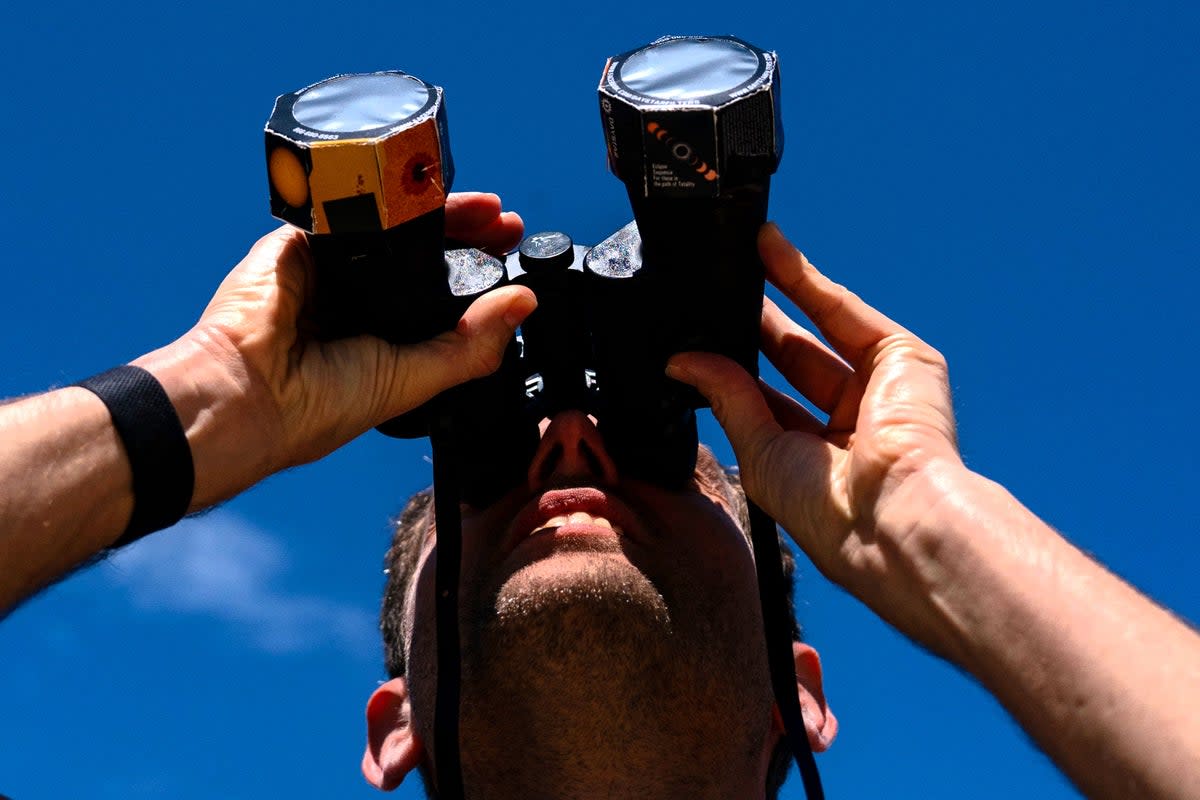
[66, 488]
[1104, 680]
[67, 485]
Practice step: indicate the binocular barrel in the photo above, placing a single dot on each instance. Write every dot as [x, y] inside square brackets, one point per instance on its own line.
[363, 164]
[693, 129]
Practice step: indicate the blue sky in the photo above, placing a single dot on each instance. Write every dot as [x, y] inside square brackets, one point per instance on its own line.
[1015, 182]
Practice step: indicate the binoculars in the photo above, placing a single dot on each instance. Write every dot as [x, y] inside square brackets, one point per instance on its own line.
[692, 127]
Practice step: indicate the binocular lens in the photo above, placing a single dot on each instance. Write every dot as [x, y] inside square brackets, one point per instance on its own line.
[356, 103]
[688, 69]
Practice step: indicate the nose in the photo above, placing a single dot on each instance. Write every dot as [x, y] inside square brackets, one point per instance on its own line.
[571, 449]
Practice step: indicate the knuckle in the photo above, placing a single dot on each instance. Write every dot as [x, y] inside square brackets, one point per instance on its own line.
[938, 363]
[720, 407]
[763, 462]
[276, 241]
[834, 299]
[488, 360]
[485, 358]
[392, 377]
[931, 358]
[907, 347]
[725, 403]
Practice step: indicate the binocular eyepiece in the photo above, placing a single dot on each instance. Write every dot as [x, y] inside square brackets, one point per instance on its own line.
[692, 127]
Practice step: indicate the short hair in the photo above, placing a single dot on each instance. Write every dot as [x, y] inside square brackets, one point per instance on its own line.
[400, 565]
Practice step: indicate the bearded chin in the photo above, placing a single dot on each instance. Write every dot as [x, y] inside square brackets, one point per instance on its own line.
[580, 618]
[577, 662]
[578, 671]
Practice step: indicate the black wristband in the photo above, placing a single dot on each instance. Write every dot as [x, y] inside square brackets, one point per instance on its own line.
[159, 456]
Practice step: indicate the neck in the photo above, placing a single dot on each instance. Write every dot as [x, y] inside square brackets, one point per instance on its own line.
[594, 777]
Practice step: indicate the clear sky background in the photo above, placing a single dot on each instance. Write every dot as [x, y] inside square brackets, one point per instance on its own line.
[1016, 182]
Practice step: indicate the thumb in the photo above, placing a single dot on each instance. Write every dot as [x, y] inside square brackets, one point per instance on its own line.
[739, 406]
[776, 464]
[474, 348]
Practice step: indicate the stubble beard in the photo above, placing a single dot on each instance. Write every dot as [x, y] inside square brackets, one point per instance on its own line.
[586, 681]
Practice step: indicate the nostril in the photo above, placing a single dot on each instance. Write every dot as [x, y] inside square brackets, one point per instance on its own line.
[571, 449]
[550, 462]
[595, 466]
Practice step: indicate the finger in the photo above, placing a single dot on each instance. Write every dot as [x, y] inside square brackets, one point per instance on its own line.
[466, 211]
[499, 236]
[734, 396]
[848, 323]
[473, 349]
[788, 412]
[785, 471]
[812, 368]
[477, 219]
[279, 259]
[283, 249]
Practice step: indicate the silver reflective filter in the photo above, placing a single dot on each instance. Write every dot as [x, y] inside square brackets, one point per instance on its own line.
[686, 69]
[361, 102]
[692, 116]
[358, 153]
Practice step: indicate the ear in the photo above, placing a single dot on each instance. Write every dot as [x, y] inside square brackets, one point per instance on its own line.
[393, 748]
[819, 722]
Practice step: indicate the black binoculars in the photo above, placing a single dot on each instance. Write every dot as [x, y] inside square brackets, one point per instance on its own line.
[692, 126]
[693, 129]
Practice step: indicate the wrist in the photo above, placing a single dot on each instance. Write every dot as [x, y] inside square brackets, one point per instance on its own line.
[965, 550]
[927, 531]
[228, 424]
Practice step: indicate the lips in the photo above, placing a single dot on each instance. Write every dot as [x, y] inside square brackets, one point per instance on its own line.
[577, 510]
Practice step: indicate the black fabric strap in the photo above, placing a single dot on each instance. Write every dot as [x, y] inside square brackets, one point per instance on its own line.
[159, 456]
[778, 624]
[447, 489]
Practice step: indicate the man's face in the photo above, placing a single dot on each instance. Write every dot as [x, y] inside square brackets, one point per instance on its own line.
[609, 626]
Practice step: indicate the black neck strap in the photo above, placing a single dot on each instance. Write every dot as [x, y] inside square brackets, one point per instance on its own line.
[777, 625]
[446, 491]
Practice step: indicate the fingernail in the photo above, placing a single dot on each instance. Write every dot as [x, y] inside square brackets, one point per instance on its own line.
[520, 308]
[677, 371]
